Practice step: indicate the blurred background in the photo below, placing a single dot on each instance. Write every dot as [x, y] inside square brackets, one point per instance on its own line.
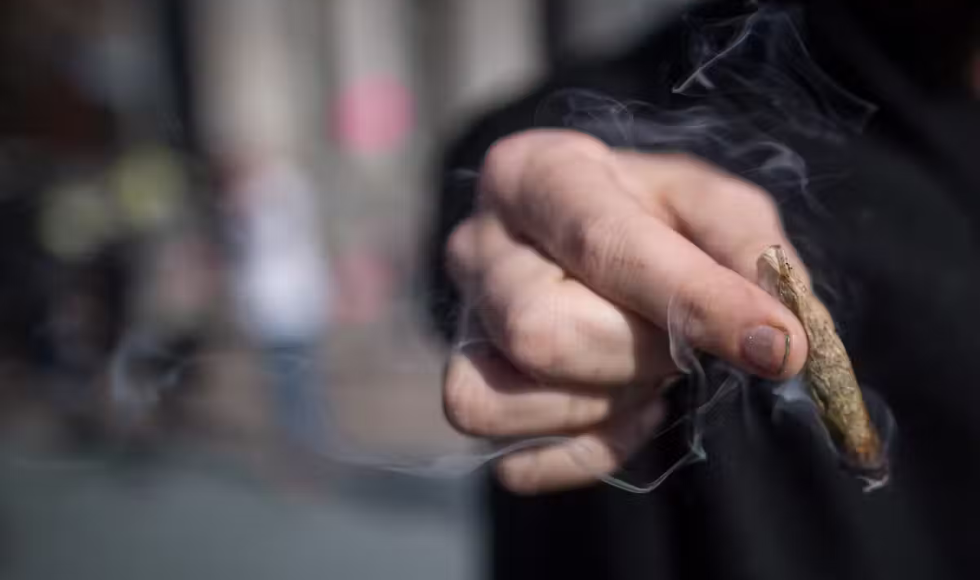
[211, 300]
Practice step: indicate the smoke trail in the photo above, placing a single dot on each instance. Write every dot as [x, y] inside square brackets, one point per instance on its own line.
[751, 91]
[751, 87]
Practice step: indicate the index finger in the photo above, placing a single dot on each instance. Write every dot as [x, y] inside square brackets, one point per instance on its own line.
[730, 220]
[572, 198]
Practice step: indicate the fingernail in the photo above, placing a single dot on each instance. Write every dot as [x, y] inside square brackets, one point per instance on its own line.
[766, 348]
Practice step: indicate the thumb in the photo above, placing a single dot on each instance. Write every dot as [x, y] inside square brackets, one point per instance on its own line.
[719, 308]
[725, 314]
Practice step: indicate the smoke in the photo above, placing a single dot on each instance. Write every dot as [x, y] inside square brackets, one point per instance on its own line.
[750, 90]
[751, 93]
[793, 404]
[752, 87]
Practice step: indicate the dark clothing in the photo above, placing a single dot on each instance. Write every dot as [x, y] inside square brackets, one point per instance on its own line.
[889, 226]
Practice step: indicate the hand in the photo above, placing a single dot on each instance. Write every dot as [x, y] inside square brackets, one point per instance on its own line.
[568, 267]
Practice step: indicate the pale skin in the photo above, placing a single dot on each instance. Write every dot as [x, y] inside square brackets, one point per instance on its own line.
[569, 266]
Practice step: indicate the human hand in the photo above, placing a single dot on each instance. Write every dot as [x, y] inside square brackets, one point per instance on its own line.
[569, 266]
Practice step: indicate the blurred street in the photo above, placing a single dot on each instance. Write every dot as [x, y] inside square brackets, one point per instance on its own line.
[201, 516]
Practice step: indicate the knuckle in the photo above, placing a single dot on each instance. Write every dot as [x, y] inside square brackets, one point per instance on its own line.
[762, 201]
[538, 152]
[749, 196]
[597, 456]
[502, 165]
[530, 336]
[688, 162]
[693, 171]
[580, 411]
[697, 168]
[521, 474]
[557, 149]
[464, 405]
[459, 249]
[735, 192]
[600, 245]
[699, 178]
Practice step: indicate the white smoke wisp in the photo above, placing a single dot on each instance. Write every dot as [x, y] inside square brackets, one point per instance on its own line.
[750, 86]
[752, 91]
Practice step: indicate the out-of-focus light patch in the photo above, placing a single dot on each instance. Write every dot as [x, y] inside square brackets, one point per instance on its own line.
[149, 184]
[75, 221]
[374, 115]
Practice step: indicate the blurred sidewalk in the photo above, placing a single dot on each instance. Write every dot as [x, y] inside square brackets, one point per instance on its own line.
[199, 516]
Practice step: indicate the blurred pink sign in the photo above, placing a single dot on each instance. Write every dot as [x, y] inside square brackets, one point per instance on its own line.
[374, 115]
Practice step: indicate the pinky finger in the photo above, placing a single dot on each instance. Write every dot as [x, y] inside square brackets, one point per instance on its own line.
[582, 459]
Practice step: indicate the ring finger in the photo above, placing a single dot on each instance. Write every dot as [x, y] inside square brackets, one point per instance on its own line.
[485, 395]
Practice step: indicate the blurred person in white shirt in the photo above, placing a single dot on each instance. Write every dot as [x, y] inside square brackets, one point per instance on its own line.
[280, 278]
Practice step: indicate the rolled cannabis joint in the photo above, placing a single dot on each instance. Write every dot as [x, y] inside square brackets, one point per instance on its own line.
[827, 373]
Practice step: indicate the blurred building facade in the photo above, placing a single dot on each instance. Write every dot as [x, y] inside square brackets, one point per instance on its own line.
[363, 93]
[359, 95]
